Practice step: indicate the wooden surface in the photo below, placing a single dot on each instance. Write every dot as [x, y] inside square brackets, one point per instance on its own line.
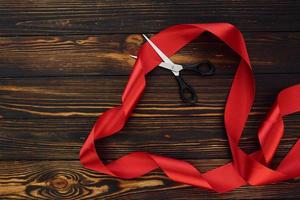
[63, 63]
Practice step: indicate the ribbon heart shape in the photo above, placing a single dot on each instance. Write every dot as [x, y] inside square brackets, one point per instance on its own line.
[245, 169]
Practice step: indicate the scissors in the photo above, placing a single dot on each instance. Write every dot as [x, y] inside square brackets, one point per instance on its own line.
[187, 92]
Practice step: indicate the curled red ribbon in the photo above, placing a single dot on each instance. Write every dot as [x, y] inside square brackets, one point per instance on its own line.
[245, 168]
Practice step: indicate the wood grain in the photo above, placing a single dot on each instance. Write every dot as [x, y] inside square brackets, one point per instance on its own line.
[63, 63]
[87, 97]
[109, 54]
[33, 17]
[68, 180]
[180, 137]
[54, 117]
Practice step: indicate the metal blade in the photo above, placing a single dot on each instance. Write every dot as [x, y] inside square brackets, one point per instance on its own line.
[158, 51]
[135, 57]
[132, 56]
[173, 67]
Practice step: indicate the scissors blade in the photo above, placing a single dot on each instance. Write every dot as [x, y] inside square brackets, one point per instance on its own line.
[165, 65]
[174, 68]
[158, 51]
[132, 56]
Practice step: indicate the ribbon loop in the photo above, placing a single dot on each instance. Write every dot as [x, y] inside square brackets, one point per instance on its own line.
[245, 168]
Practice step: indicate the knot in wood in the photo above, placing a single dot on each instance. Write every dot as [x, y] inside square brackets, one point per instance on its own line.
[59, 183]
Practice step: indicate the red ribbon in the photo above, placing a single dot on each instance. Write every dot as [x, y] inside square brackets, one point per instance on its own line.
[245, 168]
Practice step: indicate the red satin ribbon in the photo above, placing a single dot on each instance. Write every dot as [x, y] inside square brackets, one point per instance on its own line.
[245, 168]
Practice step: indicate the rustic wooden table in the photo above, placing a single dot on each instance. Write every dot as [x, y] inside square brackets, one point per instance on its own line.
[63, 63]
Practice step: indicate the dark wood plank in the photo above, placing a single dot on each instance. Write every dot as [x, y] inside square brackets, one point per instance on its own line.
[180, 137]
[109, 54]
[88, 97]
[32, 17]
[68, 180]
[39, 115]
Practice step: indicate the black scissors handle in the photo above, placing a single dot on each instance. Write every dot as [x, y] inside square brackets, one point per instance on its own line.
[187, 92]
[205, 68]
